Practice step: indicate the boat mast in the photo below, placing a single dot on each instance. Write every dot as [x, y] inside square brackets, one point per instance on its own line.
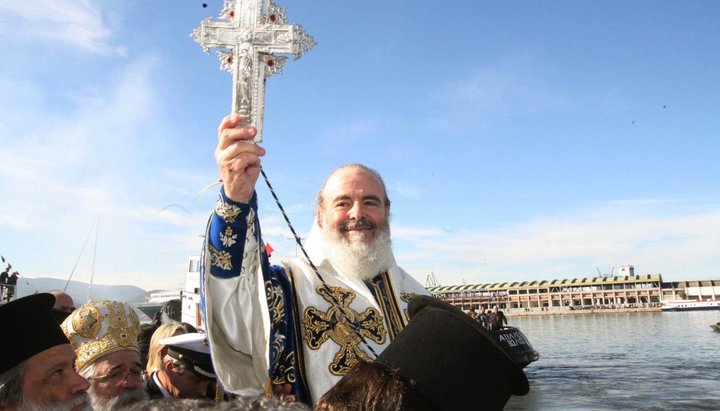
[78, 258]
[92, 270]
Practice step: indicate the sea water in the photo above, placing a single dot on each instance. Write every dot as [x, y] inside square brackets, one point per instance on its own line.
[622, 361]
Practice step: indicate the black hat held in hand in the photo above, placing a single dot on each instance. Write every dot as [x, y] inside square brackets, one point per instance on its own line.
[451, 360]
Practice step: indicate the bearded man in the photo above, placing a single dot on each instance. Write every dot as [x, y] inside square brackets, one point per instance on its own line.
[37, 365]
[282, 325]
[104, 336]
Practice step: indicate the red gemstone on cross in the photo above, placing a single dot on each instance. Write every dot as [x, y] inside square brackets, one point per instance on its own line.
[273, 18]
[232, 13]
[271, 63]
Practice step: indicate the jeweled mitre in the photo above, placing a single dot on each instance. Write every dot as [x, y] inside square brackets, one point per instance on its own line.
[99, 328]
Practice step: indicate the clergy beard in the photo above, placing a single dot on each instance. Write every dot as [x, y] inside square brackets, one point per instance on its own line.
[81, 400]
[125, 398]
[354, 258]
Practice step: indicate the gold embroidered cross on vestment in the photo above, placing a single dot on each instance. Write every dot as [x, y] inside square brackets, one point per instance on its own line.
[333, 324]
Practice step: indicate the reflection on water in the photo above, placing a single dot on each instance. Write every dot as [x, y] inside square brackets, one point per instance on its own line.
[648, 361]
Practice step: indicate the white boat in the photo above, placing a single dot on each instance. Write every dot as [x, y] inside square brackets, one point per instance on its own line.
[190, 297]
[690, 305]
[165, 302]
[163, 295]
[177, 305]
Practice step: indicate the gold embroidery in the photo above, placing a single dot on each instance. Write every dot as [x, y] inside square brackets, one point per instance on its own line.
[408, 296]
[295, 358]
[276, 302]
[118, 324]
[87, 321]
[388, 304]
[220, 259]
[319, 326]
[228, 237]
[99, 328]
[286, 370]
[227, 212]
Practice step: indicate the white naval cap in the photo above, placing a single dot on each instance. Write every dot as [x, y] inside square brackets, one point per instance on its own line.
[191, 341]
[192, 349]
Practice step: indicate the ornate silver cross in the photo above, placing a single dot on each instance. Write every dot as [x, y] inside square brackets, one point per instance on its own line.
[248, 34]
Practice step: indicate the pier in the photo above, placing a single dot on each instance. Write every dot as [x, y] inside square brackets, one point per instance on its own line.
[626, 293]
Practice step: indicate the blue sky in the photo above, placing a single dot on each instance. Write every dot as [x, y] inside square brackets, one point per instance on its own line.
[519, 140]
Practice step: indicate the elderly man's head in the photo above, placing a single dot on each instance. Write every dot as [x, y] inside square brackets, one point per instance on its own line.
[104, 335]
[353, 212]
[46, 381]
[37, 369]
[115, 380]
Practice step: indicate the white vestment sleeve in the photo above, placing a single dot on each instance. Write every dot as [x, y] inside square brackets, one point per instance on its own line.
[238, 322]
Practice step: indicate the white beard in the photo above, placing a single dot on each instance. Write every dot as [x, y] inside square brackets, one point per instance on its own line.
[125, 398]
[82, 399]
[354, 258]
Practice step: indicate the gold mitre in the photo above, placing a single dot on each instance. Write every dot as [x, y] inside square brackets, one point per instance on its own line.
[99, 328]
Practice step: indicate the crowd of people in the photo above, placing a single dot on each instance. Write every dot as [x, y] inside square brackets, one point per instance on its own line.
[90, 358]
[491, 320]
[344, 329]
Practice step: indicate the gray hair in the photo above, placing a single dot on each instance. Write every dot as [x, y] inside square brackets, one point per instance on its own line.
[11, 385]
[320, 198]
[88, 372]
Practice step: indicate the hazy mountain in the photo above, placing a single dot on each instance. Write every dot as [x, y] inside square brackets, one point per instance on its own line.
[79, 290]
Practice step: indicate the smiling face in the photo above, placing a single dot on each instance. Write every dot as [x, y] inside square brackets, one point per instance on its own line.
[50, 379]
[353, 216]
[353, 205]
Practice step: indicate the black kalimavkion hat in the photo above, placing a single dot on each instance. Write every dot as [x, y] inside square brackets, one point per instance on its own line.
[29, 328]
[451, 360]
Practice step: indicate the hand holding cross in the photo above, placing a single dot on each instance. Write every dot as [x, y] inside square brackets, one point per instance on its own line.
[237, 158]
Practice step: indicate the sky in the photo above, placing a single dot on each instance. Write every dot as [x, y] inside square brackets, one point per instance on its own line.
[519, 140]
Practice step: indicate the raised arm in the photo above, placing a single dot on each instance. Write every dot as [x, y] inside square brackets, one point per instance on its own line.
[247, 301]
[236, 311]
[238, 158]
